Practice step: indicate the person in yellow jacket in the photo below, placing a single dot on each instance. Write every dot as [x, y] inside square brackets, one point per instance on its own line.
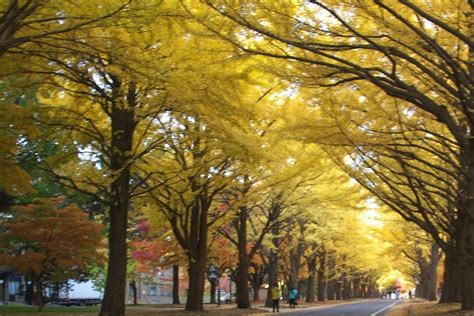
[276, 294]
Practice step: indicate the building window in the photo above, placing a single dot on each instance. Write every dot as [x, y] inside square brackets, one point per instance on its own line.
[14, 287]
[152, 290]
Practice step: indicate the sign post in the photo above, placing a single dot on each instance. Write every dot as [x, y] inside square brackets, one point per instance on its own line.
[213, 276]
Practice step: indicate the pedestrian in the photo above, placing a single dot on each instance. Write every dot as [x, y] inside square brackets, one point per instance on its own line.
[292, 294]
[276, 293]
[410, 294]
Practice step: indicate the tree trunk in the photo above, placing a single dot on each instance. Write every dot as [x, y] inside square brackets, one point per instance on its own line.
[332, 283]
[242, 280]
[430, 292]
[256, 290]
[114, 294]
[433, 273]
[29, 292]
[39, 294]
[175, 284]
[310, 295]
[133, 285]
[256, 279]
[302, 290]
[197, 270]
[451, 291]
[356, 293]
[272, 277]
[197, 261]
[273, 265]
[123, 125]
[322, 279]
[372, 291]
[347, 292]
[363, 288]
[331, 290]
[213, 292]
[425, 287]
[295, 257]
[467, 228]
[419, 290]
[242, 283]
[467, 257]
[197, 247]
[339, 290]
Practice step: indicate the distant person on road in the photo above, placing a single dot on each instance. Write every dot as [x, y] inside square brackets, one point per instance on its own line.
[292, 294]
[276, 293]
[410, 294]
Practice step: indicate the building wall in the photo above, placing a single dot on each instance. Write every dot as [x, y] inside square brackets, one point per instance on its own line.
[153, 289]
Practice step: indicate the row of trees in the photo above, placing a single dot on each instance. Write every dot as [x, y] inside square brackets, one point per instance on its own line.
[409, 63]
[221, 119]
[51, 244]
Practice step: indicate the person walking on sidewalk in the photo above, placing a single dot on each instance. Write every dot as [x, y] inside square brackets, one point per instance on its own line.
[276, 293]
[292, 297]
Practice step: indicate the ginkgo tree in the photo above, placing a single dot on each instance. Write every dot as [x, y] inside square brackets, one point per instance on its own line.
[303, 184]
[188, 191]
[44, 23]
[420, 254]
[150, 111]
[211, 141]
[255, 216]
[418, 52]
[412, 170]
[36, 38]
[98, 105]
[28, 27]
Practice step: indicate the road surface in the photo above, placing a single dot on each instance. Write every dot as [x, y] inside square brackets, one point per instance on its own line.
[364, 308]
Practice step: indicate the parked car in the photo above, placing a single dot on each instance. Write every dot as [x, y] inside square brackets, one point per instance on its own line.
[227, 297]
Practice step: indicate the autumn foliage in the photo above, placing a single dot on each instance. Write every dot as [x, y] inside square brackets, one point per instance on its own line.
[277, 140]
[48, 241]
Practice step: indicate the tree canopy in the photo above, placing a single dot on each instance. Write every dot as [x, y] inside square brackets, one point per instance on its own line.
[307, 139]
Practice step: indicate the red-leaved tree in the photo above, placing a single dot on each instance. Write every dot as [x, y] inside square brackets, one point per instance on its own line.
[48, 242]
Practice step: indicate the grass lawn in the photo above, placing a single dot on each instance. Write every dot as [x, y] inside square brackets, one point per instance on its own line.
[16, 309]
[420, 307]
[435, 309]
[140, 310]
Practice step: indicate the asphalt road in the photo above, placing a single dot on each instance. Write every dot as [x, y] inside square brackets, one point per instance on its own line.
[365, 308]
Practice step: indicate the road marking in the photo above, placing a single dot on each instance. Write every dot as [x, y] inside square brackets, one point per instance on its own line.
[385, 308]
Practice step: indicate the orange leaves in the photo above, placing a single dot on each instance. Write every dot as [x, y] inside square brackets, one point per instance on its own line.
[48, 239]
[222, 252]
